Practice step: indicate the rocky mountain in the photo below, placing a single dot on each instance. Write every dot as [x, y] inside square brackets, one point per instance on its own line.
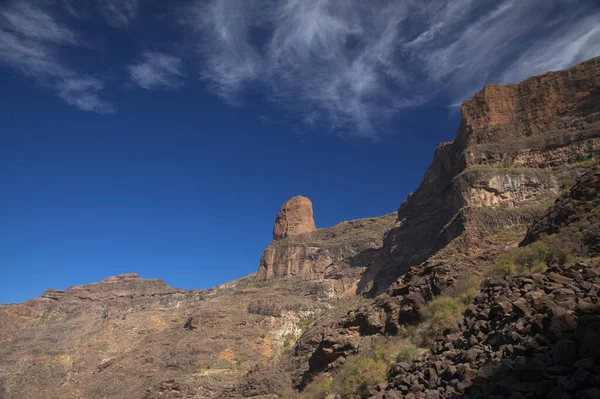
[489, 270]
[516, 146]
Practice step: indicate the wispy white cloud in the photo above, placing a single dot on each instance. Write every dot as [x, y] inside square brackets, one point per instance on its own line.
[31, 39]
[565, 47]
[157, 71]
[352, 65]
[119, 13]
[82, 92]
[34, 23]
[349, 66]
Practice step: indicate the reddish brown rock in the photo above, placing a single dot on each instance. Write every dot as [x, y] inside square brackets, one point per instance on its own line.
[295, 217]
[517, 146]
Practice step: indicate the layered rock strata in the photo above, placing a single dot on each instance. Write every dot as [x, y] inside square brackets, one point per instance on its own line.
[516, 147]
[341, 252]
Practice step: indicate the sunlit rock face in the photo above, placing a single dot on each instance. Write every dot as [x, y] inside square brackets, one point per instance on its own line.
[295, 217]
[339, 254]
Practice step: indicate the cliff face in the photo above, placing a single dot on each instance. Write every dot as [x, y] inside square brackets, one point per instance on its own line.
[340, 253]
[516, 146]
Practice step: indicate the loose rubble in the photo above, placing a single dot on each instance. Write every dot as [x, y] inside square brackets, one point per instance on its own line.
[534, 336]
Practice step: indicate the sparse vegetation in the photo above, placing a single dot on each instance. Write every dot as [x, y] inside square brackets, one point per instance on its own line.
[288, 341]
[548, 251]
[587, 163]
[357, 374]
[504, 266]
[305, 323]
[466, 287]
[444, 310]
[360, 372]
[321, 387]
[511, 233]
[408, 354]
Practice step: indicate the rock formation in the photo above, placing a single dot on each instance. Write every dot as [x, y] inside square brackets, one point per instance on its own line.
[341, 252]
[535, 335]
[494, 178]
[295, 217]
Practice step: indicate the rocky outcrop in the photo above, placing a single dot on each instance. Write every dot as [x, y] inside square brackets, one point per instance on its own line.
[125, 285]
[516, 146]
[474, 193]
[340, 253]
[295, 217]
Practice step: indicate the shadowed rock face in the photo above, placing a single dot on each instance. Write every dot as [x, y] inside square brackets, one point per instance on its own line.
[295, 217]
[577, 211]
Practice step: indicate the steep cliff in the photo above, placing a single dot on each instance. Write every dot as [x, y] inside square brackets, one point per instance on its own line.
[516, 148]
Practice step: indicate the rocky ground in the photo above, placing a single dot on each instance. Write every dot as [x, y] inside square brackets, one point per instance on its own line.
[534, 336]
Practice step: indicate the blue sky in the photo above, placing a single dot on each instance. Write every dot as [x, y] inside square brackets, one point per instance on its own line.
[162, 137]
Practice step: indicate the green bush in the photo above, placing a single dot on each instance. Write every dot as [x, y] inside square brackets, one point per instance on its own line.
[357, 374]
[504, 266]
[588, 162]
[444, 306]
[408, 354]
[536, 257]
[321, 387]
[444, 313]
[546, 251]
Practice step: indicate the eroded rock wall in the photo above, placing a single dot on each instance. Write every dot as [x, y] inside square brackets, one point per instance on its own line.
[340, 252]
[517, 146]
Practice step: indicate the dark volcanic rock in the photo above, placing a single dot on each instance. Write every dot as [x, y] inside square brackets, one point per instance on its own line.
[513, 357]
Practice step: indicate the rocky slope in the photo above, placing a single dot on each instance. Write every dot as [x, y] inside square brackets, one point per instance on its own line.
[531, 336]
[127, 337]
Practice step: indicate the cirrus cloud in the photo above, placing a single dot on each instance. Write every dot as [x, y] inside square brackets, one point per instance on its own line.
[157, 71]
[31, 41]
[353, 65]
